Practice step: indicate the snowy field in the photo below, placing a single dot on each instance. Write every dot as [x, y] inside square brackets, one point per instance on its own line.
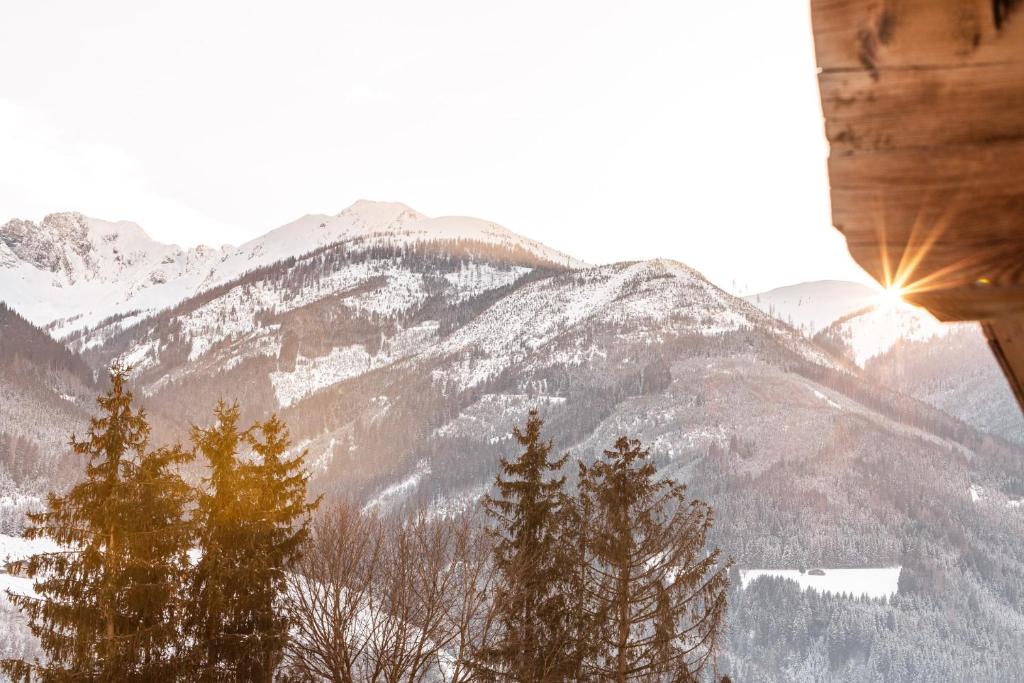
[14, 548]
[873, 582]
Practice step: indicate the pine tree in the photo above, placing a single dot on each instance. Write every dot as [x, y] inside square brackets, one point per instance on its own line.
[108, 606]
[252, 525]
[532, 563]
[216, 622]
[156, 561]
[656, 596]
[282, 519]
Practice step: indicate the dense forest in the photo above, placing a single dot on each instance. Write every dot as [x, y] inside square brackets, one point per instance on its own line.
[242, 577]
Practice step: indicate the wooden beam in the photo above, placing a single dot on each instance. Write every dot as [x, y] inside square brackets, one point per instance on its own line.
[909, 109]
[1006, 338]
[924, 114]
[923, 103]
[874, 35]
[942, 218]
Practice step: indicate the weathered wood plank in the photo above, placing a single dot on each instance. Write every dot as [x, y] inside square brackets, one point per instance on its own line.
[1006, 337]
[923, 108]
[969, 303]
[882, 34]
[941, 218]
[973, 194]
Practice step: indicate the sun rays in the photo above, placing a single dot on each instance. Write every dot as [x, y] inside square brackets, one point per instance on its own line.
[891, 298]
[916, 266]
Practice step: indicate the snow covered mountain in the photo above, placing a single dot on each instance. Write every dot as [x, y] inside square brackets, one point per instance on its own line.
[69, 272]
[854, 315]
[810, 307]
[76, 271]
[947, 365]
[400, 350]
[46, 392]
[871, 332]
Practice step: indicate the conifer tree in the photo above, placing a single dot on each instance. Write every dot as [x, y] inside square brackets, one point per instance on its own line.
[108, 606]
[532, 565]
[281, 528]
[216, 622]
[657, 596]
[252, 524]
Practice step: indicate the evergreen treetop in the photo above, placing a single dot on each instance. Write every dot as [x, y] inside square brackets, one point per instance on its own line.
[108, 600]
[531, 561]
[655, 595]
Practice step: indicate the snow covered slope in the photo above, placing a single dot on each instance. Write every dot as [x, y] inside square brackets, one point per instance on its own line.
[69, 271]
[646, 300]
[872, 582]
[812, 306]
[80, 270]
[872, 332]
[947, 365]
[855, 314]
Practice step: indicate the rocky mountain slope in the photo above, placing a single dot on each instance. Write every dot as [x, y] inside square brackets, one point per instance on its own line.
[401, 354]
[69, 272]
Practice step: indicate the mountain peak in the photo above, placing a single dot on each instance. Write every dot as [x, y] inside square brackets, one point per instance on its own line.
[381, 215]
[116, 267]
[61, 239]
[48, 244]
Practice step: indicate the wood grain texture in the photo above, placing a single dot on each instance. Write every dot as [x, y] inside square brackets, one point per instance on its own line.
[926, 134]
[902, 109]
[938, 218]
[924, 114]
[1006, 338]
[883, 34]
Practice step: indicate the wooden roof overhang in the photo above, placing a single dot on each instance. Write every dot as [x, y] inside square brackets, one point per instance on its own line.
[924, 113]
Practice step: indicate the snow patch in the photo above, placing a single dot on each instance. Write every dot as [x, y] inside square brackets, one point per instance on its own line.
[400, 490]
[976, 492]
[313, 374]
[872, 582]
[825, 398]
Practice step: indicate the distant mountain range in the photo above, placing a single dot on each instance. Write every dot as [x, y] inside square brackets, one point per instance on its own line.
[947, 365]
[401, 350]
[69, 272]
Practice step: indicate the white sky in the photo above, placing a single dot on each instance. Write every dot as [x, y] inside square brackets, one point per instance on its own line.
[610, 130]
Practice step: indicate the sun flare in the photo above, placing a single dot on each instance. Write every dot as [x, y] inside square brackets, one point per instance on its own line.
[891, 298]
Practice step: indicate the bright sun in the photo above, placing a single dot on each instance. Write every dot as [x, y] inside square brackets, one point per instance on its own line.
[890, 298]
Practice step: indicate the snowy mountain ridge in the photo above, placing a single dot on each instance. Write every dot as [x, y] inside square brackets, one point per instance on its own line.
[69, 271]
[947, 365]
[858, 315]
[873, 331]
[810, 307]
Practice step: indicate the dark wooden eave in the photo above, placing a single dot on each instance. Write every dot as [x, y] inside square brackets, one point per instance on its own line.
[924, 114]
